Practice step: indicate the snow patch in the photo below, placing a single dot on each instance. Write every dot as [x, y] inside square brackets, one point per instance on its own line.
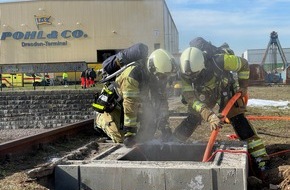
[268, 103]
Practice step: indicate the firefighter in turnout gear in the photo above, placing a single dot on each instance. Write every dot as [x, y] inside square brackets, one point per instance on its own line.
[206, 73]
[143, 107]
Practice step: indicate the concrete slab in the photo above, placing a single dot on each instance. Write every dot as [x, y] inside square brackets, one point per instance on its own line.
[69, 177]
[158, 167]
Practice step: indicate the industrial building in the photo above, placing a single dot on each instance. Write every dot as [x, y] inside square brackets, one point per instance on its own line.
[272, 62]
[255, 56]
[50, 35]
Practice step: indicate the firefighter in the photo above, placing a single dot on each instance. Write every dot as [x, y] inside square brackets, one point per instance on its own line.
[83, 79]
[93, 76]
[87, 77]
[206, 73]
[143, 107]
[65, 78]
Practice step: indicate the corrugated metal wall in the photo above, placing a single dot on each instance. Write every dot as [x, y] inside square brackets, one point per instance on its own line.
[105, 25]
[255, 56]
[171, 39]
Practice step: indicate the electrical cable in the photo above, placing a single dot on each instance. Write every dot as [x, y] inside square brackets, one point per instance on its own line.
[280, 152]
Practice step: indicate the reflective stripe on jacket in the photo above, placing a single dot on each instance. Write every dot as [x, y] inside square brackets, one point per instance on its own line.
[209, 93]
[233, 63]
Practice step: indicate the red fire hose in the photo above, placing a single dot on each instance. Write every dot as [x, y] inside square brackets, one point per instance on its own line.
[214, 133]
[254, 117]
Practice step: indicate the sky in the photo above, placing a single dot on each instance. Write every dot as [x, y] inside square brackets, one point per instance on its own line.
[243, 24]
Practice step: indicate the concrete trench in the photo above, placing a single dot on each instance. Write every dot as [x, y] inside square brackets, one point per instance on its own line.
[157, 166]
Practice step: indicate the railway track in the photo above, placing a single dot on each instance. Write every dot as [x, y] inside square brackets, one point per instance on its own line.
[30, 161]
[27, 144]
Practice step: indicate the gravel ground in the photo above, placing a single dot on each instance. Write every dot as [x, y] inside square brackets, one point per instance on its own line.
[274, 133]
[12, 134]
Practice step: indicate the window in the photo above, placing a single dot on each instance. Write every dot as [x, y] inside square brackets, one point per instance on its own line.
[102, 55]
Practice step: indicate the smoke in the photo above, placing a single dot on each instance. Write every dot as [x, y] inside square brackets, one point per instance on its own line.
[154, 113]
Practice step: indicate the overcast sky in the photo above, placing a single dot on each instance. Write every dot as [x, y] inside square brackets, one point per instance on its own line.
[243, 24]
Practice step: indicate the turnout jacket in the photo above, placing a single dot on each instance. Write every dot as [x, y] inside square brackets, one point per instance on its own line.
[216, 85]
[144, 97]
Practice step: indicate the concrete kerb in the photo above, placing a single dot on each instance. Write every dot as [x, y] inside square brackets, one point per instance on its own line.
[121, 168]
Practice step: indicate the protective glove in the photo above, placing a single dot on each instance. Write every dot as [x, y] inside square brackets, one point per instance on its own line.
[215, 121]
[243, 91]
[130, 136]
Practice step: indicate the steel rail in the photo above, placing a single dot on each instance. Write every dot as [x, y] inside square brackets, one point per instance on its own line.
[29, 143]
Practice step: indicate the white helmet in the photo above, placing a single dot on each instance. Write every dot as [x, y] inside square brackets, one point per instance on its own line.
[191, 61]
[161, 62]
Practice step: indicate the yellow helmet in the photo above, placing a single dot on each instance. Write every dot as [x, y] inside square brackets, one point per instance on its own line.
[191, 61]
[161, 62]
